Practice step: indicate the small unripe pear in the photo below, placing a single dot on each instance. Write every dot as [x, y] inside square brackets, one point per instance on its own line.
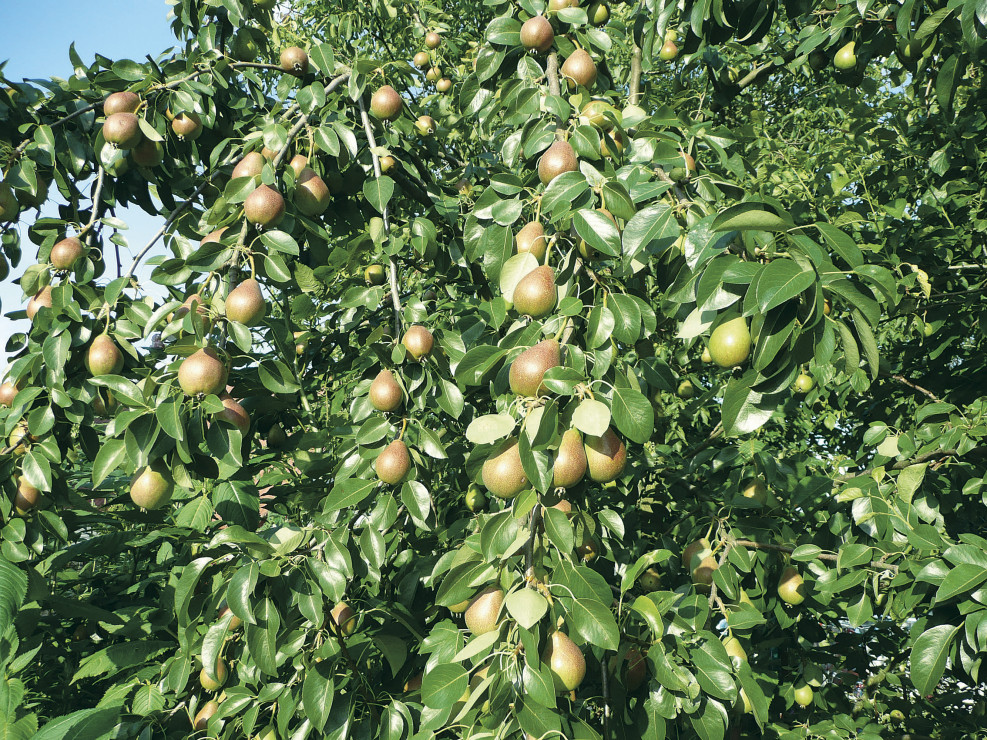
[804, 383]
[104, 357]
[148, 153]
[565, 661]
[393, 463]
[264, 207]
[730, 343]
[202, 717]
[531, 239]
[152, 486]
[535, 294]
[845, 58]
[606, 456]
[202, 372]
[791, 587]
[529, 367]
[343, 619]
[65, 253]
[483, 613]
[213, 684]
[537, 34]
[668, 51]
[418, 341]
[122, 130]
[385, 103]
[502, 472]
[432, 40]
[233, 413]
[570, 461]
[245, 304]
[27, 496]
[385, 393]
[421, 60]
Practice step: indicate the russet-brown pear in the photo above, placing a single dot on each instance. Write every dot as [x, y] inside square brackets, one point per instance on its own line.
[570, 460]
[385, 392]
[245, 304]
[606, 456]
[529, 367]
[535, 293]
[502, 473]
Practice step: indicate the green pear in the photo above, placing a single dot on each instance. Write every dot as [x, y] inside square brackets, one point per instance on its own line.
[565, 661]
[570, 460]
[535, 293]
[606, 456]
[502, 473]
[483, 613]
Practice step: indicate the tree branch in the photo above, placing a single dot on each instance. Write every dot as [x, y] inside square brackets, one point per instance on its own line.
[534, 523]
[634, 95]
[552, 72]
[903, 380]
[829, 557]
[303, 120]
[87, 229]
[393, 263]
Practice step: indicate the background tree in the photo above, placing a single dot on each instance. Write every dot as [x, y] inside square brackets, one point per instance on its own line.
[526, 371]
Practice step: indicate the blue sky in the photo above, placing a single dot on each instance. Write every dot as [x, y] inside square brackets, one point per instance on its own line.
[34, 41]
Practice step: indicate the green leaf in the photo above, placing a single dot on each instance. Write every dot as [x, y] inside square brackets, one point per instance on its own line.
[488, 429]
[927, 661]
[595, 622]
[633, 414]
[780, 281]
[751, 216]
[318, 691]
[443, 685]
[379, 191]
[13, 589]
[527, 606]
[598, 231]
[85, 724]
[591, 417]
[262, 637]
[348, 492]
[961, 579]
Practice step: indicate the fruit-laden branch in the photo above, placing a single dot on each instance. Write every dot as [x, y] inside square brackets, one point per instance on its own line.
[731, 542]
[303, 121]
[936, 455]
[392, 261]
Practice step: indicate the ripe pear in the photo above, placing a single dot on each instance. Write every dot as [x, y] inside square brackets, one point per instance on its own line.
[294, 60]
[418, 341]
[444, 85]
[152, 486]
[606, 456]
[233, 413]
[311, 193]
[148, 153]
[434, 74]
[264, 207]
[588, 549]
[385, 393]
[41, 299]
[421, 60]
[570, 461]
[202, 717]
[393, 463]
[27, 496]
[791, 587]
[845, 58]
[385, 103]
[579, 68]
[529, 367]
[122, 130]
[104, 357]
[734, 648]
[537, 34]
[730, 343]
[502, 473]
[65, 253]
[432, 40]
[804, 383]
[557, 159]
[343, 619]
[619, 144]
[483, 613]
[461, 607]
[8, 392]
[187, 125]
[298, 164]
[565, 661]
[251, 165]
[245, 304]
[531, 239]
[535, 293]
[668, 51]
[595, 113]
[121, 102]
[213, 684]
[203, 372]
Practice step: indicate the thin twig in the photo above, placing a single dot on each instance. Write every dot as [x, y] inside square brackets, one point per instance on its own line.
[303, 121]
[905, 381]
[534, 523]
[830, 557]
[395, 296]
[605, 686]
[87, 229]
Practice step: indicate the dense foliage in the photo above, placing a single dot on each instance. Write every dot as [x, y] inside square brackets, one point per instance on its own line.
[734, 485]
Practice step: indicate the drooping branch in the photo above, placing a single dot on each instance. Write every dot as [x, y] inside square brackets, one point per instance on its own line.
[393, 264]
